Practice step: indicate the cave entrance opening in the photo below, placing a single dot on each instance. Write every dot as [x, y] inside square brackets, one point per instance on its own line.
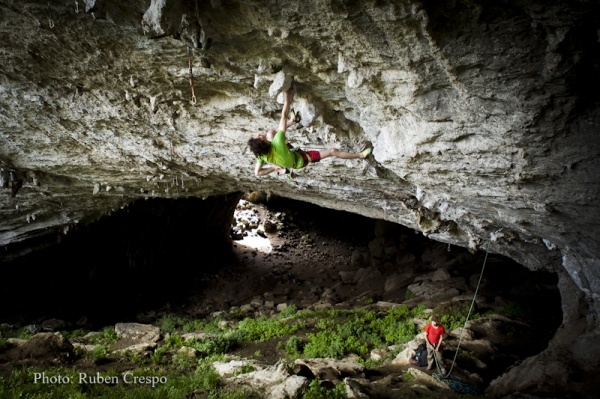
[162, 257]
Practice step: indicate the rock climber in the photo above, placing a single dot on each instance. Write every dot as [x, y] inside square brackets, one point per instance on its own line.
[434, 336]
[272, 148]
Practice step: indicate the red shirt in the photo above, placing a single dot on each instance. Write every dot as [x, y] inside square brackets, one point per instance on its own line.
[434, 334]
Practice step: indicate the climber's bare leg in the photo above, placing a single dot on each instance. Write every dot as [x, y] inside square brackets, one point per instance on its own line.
[332, 152]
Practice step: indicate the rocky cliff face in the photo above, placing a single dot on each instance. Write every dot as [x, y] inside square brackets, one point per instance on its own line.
[484, 116]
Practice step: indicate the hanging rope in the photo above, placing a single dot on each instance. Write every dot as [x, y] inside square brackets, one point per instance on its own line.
[452, 382]
[50, 20]
[191, 75]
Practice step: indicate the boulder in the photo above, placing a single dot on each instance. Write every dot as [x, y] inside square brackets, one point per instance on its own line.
[404, 357]
[441, 275]
[281, 307]
[16, 341]
[289, 388]
[322, 306]
[467, 335]
[246, 308]
[138, 348]
[398, 280]
[403, 258]
[428, 380]
[41, 347]
[54, 325]
[274, 382]
[353, 389]
[198, 336]
[347, 276]
[479, 346]
[188, 351]
[142, 332]
[387, 305]
[474, 279]
[228, 369]
[328, 369]
[378, 354]
[376, 247]
[479, 300]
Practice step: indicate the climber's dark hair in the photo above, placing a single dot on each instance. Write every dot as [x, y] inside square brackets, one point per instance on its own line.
[259, 146]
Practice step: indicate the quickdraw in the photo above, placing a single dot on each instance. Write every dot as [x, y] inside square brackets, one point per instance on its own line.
[191, 75]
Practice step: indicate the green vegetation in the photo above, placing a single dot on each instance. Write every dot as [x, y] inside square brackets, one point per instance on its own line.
[409, 295]
[217, 346]
[4, 344]
[288, 312]
[369, 301]
[294, 346]
[73, 334]
[345, 331]
[174, 341]
[265, 329]
[338, 333]
[316, 391]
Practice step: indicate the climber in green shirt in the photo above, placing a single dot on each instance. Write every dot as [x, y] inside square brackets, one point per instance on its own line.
[272, 148]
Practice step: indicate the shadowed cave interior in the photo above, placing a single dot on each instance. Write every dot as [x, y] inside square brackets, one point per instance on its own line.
[160, 256]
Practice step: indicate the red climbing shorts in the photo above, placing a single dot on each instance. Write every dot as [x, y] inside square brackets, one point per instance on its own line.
[310, 156]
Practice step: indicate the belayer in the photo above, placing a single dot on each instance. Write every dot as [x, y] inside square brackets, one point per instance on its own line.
[272, 148]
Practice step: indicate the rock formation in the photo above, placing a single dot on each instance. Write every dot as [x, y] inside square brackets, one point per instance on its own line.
[484, 117]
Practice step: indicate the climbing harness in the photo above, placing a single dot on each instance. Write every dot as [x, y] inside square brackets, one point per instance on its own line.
[191, 75]
[454, 382]
[50, 20]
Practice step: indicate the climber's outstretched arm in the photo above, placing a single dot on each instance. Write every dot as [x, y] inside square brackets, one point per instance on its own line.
[261, 170]
[287, 101]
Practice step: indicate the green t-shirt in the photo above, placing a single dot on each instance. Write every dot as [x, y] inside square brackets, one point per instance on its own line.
[281, 155]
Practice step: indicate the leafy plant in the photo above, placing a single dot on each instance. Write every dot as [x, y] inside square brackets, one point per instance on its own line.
[110, 335]
[294, 346]
[174, 341]
[158, 356]
[265, 329]
[288, 312]
[100, 354]
[409, 295]
[369, 301]
[73, 334]
[316, 391]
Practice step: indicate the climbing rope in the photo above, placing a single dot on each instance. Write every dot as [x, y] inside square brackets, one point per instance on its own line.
[50, 20]
[191, 75]
[455, 385]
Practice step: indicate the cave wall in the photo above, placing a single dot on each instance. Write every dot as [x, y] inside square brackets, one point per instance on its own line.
[484, 116]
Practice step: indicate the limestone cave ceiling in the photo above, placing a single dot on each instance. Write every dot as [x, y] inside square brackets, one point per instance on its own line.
[483, 114]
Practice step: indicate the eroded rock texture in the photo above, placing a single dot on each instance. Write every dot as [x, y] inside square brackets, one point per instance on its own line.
[484, 116]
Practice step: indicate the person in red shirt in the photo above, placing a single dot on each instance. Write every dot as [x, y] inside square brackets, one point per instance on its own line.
[434, 336]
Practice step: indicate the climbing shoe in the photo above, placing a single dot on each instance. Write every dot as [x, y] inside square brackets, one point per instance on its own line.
[367, 152]
[294, 115]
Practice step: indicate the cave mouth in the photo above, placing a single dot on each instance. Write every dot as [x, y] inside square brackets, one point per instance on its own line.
[160, 256]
